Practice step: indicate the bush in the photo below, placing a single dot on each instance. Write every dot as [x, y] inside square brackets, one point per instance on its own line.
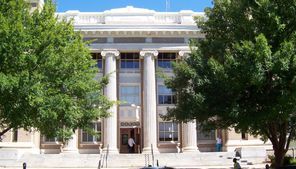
[288, 160]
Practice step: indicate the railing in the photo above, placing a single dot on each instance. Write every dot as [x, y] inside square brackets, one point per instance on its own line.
[147, 159]
[104, 159]
[102, 18]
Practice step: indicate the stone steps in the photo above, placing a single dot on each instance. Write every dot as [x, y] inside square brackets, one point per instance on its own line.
[182, 160]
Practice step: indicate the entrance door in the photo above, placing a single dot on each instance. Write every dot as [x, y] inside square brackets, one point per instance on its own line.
[125, 134]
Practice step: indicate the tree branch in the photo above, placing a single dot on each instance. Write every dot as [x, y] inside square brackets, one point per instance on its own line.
[5, 130]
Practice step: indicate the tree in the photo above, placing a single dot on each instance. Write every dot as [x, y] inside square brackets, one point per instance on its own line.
[243, 73]
[47, 75]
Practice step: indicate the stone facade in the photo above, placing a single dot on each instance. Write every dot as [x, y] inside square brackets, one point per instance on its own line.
[132, 45]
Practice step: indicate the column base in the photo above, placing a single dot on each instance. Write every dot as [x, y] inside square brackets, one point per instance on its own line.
[147, 150]
[110, 150]
[190, 150]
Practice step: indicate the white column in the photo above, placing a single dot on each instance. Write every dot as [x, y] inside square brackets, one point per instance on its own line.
[189, 139]
[189, 129]
[71, 145]
[110, 123]
[149, 114]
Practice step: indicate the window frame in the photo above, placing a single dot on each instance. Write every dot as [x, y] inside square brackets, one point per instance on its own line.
[173, 132]
[130, 85]
[94, 138]
[163, 58]
[98, 57]
[172, 95]
[212, 134]
[124, 60]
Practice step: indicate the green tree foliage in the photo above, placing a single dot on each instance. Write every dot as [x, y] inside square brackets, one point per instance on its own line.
[47, 75]
[243, 74]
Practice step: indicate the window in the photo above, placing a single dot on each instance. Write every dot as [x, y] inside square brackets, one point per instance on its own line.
[165, 60]
[98, 58]
[51, 140]
[205, 135]
[87, 137]
[165, 95]
[130, 95]
[33, 5]
[244, 136]
[14, 135]
[168, 131]
[129, 61]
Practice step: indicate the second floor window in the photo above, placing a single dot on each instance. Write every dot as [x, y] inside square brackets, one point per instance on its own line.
[129, 61]
[130, 95]
[165, 95]
[98, 58]
[165, 60]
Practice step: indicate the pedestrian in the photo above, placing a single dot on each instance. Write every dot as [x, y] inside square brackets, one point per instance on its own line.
[236, 164]
[218, 144]
[130, 144]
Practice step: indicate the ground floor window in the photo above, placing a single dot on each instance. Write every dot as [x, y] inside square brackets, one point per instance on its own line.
[51, 140]
[168, 131]
[205, 135]
[87, 136]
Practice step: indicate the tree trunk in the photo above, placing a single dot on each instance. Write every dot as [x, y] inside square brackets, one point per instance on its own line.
[4, 131]
[280, 142]
[279, 158]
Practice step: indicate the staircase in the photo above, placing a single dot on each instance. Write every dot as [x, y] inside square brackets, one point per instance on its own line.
[181, 160]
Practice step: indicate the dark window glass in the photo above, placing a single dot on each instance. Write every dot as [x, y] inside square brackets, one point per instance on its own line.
[14, 135]
[165, 95]
[165, 60]
[129, 61]
[98, 58]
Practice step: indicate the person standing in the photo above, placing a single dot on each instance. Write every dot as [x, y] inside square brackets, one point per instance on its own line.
[218, 144]
[131, 144]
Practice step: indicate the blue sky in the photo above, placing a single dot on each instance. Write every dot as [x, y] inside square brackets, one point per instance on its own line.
[157, 5]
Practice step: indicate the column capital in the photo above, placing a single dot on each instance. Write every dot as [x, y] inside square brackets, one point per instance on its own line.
[110, 52]
[149, 52]
[184, 53]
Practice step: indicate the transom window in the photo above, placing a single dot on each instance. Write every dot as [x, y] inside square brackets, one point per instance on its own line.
[168, 131]
[165, 60]
[165, 95]
[130, 95]
[88, 137]
[98, 58]
[129, 61]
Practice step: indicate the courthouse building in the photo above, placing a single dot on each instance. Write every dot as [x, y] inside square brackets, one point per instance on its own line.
[133, 46]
